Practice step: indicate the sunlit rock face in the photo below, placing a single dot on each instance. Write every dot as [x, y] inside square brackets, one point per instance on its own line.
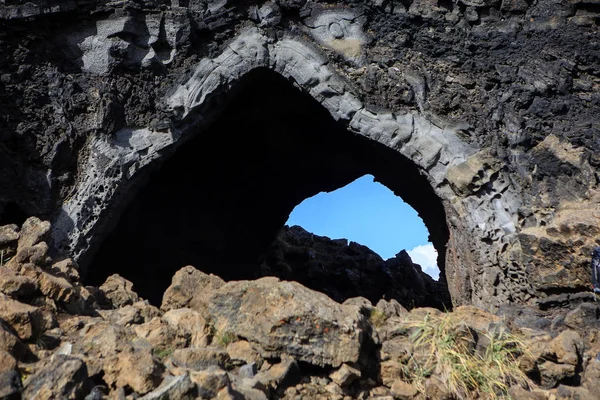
[483, 115]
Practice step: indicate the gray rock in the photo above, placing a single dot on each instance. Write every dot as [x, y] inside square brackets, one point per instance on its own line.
[63, 377]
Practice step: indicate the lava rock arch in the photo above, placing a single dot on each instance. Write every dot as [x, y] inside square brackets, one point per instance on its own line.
[219, 201]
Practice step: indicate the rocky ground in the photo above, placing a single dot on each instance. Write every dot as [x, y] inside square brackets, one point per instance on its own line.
[343, 269]
[260, 339]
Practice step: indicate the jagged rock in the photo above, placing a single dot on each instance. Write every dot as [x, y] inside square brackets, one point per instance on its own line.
[338, 269]
[135, 367]
[248, 370]
[26, 320]
[190, 325]
[567, 347]
[67, 269]
[280, 317]
[37, 255]
[10, 342]
[15, 285]
[210, 381]
[9, 234]
[10, 385]
[553, 373]
[199, 358]
[33, 232]
[241, 350]
[160, 335]
[345, 375]
[190, 288]
[583, 317]
[173, 388]
[119, 291]
[403, 391]
[279, 374]
[7, 362]
[64, 377]
[390, 308]
[56, 288]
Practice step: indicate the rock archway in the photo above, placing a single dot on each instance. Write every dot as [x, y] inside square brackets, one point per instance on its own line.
[219, 201]
[476, 197]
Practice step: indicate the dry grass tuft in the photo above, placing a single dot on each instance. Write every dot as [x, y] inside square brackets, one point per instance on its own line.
[472, 364]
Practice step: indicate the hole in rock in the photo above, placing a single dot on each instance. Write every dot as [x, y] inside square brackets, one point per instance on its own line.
[221, 200]
[368, 213]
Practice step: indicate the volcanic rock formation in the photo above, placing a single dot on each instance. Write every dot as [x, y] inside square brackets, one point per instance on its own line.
[483, 115]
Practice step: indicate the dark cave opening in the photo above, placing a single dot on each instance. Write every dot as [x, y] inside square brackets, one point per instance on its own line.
[220, 201]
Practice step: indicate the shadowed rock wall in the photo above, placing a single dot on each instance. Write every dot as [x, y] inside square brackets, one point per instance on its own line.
[495, 103]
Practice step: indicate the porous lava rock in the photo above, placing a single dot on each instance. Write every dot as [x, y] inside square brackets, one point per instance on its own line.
[343, 269]
[491, 107]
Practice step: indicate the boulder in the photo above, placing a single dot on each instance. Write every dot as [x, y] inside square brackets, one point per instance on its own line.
[27, 321]
[190, 288]
[10, 342]
[9, 235]
[189, 325]
[287, 318]
[16, 285]
[175, 388]
[33, 232]
[119, 291]
[63, 377]
[345, 375]
[210, 381]
[7, 362]
[10, 385]
[403, 390]
[199, 358]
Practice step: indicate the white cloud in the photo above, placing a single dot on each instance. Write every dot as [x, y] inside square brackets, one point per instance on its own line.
[426, 256]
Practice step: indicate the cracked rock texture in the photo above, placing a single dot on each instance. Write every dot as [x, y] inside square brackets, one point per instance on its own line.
[494, 103]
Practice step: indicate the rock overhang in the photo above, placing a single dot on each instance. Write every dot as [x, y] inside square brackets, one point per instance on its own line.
[488, 199]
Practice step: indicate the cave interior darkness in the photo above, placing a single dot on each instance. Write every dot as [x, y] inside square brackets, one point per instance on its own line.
[219, 201]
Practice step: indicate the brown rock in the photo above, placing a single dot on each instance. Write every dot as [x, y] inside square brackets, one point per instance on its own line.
[37, 255]
[189, 324]
[243, 351]
[10, 342]
[33, 232]
[10, 385]
[190, 288]
[160, 335]
[16, 285]
[279, 374]
[173, 387]
[67, 269]
[390, 372]
[26, 320]
[403, 390]
[63, 377]
[210, 381]
[119, 291]
[287, 318]
[591, 377]
[567, 346]
[56, 288]
[552, 373]
[345, 375]
[7, 362]
[391, 308]
[435, 388]
[135, 367]
[9, 234]
[199, 358]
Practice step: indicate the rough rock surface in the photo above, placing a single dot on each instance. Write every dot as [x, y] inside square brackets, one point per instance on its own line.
[264, 339]
[343, 270]
[493, 103]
